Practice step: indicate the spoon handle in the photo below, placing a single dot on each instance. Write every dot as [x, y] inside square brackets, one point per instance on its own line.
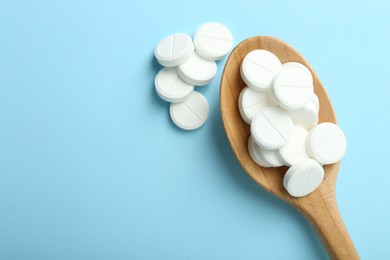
[323, 214]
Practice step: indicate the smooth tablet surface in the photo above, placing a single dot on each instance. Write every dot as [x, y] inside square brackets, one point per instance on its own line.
[174, 49]
[270, 156]
[306, 116]
[303, 178]
[190, 114]
[271, 128]
[295, 149]
[213, 41]
[259, 68]
[326, 143]
[170, 87]
[254, 152]
[250, 102]
[300, 66]
[292, 88]
[315, 101]
[197, 70]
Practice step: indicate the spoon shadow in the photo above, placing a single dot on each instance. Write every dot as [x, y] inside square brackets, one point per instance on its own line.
[236, 173]
[234, 170]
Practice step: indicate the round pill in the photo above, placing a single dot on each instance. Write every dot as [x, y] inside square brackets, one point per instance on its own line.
[191, 113]
[326, 143]
[292, 88]
[306, 116]
[259, 68]
[315, 101]
[270, 156]
[250, 102]
[254, 152]
[174, 49]
[295, 149]
[170, 87]
[272, 128]
[213, 41]
[197, 70]
[300, 66]
[303, 177]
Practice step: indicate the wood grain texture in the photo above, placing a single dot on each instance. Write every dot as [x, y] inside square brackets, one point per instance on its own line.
[319, 207]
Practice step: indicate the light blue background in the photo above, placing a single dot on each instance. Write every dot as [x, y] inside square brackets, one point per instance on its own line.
[91, 166]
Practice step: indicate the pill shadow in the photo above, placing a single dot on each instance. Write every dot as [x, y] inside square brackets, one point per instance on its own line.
[235, 172]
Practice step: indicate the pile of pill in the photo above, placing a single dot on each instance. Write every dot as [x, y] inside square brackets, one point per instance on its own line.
[188, 64]
[281, 108]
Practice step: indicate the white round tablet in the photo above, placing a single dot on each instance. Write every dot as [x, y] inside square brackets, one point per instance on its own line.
[270, 156]
[250, 102]
[326, 143]
[303, 178]
[315, 101]
[272, 128]
[292, 88]
[174, 49]
[306, 116]
[295, 149]
[254, 152]
[259, 68]
[300, 66]
[213, 41]
[191, 113]
[170, 87]
[197, 70]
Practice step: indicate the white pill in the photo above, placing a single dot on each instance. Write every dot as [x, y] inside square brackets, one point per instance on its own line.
[250, 102]
[213, 41]
[292, 88]
[254, 152]
[272, 128]
[314, 100]
[295, 149]
[303, 178]
[326, 143]
[259, 68]
[197, 70]
[300, 66]
[174, 49]
[170, 87]
[306, 116]
[270, 156]
[191, 113]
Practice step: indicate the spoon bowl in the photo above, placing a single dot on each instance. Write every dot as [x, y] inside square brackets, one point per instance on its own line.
[319, 207]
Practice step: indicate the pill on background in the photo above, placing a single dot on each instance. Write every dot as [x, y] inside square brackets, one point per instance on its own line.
[197, 70]
[303, 177]
[191, 113]
[295, 149]
[326, 143]
[254, 152]
[170, 87]
[213, 41]
[271, 128]
[174, 49]
[259, 68]
[292, 88]
[250, 102]
[306, 116]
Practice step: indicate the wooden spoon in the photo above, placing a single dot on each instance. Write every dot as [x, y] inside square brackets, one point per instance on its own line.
[319, 207]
